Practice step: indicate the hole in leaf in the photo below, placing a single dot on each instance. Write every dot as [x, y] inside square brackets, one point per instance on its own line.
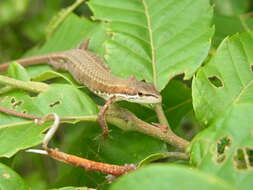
[222, 146]
[13, 100]
[249, 152]
[221, 158]
[215, 81]
[251, 68]
[33, 94]
[54, 103]
[239, 160]
[16, 104]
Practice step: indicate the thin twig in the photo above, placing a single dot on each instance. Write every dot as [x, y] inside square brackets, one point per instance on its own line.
[161, 116]
[90, 165]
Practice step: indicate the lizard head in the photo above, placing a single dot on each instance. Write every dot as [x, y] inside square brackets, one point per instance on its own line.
[142, 92]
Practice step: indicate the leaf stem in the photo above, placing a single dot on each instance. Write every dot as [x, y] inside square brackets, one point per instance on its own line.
[36, 87]
[150, 32]
[161, 116]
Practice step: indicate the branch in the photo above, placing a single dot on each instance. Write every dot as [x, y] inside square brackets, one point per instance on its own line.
[126, 120]
[89, 164]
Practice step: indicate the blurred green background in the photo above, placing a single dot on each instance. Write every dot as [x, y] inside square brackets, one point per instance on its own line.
[24, 25]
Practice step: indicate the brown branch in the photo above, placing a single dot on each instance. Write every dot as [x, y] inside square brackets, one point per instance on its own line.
[89, 165]
[126, 120]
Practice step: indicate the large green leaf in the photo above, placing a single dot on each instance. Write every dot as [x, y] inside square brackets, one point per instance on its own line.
[10, 179]
[226, 80]
[164, 177]
[155, 41]
[222, 99]
[63, 99]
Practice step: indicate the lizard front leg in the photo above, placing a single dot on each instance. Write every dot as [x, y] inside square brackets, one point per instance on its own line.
[101, 116]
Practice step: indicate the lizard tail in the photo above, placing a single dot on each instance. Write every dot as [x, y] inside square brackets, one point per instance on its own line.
[35, 60]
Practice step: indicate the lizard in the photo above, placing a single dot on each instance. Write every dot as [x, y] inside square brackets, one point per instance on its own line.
[90, 70]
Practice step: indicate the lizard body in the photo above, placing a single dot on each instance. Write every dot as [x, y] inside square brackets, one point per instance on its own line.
[89, 69]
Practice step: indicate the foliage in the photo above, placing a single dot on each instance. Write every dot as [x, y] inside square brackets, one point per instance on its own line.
[211, 46]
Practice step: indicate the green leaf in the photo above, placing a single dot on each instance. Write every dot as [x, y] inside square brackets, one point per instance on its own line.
[10, 179]
[222, 99]
[164, 177]
[65, 100]
[19, 136]
[47, 75]
[232, 68]
[177, 102]
[155, 41]
[18, 72]
[225, 148]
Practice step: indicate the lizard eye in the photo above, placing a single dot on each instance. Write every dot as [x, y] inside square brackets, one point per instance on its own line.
[140, 93]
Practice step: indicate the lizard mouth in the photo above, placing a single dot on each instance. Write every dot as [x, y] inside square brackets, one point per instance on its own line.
[149, 99]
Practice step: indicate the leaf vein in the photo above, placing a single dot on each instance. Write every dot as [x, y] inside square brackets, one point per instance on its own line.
[151, 41]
